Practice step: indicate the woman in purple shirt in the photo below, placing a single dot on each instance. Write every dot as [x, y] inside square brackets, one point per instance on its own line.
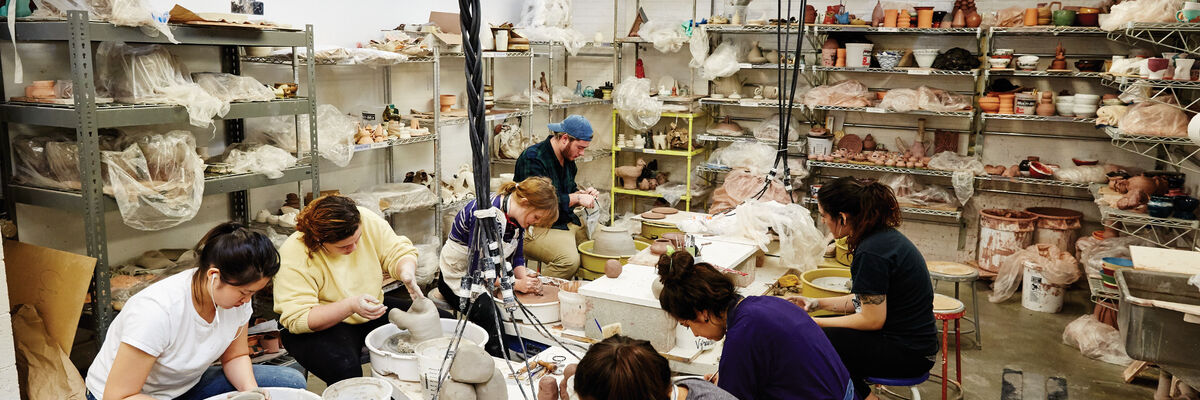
[773, 349]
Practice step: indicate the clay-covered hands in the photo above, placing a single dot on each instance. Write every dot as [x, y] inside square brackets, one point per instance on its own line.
[528, 284]
[408, 276]
[592, 191]
[366, 306]
[809, 304]
[584, 199]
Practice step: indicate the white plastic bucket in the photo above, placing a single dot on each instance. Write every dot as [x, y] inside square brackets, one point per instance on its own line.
[404, 366]
[572, 310]
[430, 355]
[858, 55]
[278, 394]
[545, 313]
[364, 388]
[1039, 295]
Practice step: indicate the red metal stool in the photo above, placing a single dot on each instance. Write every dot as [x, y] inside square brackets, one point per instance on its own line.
[945, 309]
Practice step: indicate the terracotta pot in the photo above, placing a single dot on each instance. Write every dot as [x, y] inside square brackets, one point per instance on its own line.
[973, 19]
[868, 143]
[612, 241]
[660, 247]
[960, 19]
[1046, 109]
[676, 238]
[447, 101]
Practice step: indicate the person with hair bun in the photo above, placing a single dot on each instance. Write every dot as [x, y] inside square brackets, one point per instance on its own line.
[773, 350]
[623, 368]
[329, 292]
[889, 331]
[532, 202]
[163, 343]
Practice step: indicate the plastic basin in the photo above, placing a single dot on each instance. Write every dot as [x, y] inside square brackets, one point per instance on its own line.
[404, 366]
[592, 264]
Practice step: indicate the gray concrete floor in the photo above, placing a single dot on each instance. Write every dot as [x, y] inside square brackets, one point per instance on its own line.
[1017, 338]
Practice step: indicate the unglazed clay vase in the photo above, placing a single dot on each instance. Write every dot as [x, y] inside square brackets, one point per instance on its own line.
[612, 241]
[974, 19]
[960, 19]
[612, 269]
[1045, 106]
[660, 247]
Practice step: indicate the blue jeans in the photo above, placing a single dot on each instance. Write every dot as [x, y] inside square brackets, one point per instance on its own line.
[213, 382]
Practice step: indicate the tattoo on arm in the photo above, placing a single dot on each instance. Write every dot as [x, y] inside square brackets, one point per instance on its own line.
[873, 299]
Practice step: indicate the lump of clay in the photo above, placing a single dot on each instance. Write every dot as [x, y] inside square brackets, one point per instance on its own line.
[495, 388]
[567, 386]
[471, 365]
[452, 390]
[421, 320]
[612, 268]
[547, 388]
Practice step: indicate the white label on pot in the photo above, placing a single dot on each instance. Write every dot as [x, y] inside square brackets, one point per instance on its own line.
[745, 65]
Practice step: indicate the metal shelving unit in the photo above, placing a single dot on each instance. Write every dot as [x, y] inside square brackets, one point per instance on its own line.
[877, 110]
[1179, 36]
[1044, 74]
[750, 103]
[818, 29]
[1039, 118]
[86, 117]
[878, 168]
[687, 155]
[900, 71]
[1179, 152]
[956, 215]
[733, 139]
[1165, 232]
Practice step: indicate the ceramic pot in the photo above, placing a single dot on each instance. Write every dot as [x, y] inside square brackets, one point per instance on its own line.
[974, 19]
[998, 63]
[1185, 207]
[960, 19]
[989, 104]
[1158, 67]
[890, 17]
[1031, 17]
[1027, 62]
[1183, 68]
[1084, 110]
[1063, 17]
[810, 14]
[829, 57]
[677, 240]
[1083, 98]
[612, 241]
[1045, 109]
[447, 101]
[1160, 206]
[1090, 19]
[925, 17]
[1066, 109]
[888, 59]
[660, 247]
[925, 57]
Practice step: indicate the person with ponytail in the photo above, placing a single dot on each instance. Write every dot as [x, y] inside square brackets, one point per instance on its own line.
[889, 330]
[532, 202]
[773, 350]
[164, 341]
[329, 292]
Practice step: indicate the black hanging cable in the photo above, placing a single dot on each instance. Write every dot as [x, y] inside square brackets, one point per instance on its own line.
[787, 91]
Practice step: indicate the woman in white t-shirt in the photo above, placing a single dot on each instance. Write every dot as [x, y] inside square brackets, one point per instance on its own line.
[166, 337]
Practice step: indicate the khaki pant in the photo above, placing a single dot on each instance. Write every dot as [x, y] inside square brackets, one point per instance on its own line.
[556, 249]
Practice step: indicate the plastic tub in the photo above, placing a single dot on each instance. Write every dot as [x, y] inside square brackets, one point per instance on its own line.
[278, 394]
[544, 312]
[1153, 331]
[591, 265]
[842, 253]
[430, 355]
[858, 55]
[572, 310]
[808, 289]
[404, 366]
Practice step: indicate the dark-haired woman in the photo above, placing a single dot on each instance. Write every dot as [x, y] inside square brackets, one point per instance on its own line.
[889, 331]
[623, 368]
[773, 350]
[329, 289]
[168, 335]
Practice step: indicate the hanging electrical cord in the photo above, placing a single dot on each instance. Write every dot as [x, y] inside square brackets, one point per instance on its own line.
[788, 92]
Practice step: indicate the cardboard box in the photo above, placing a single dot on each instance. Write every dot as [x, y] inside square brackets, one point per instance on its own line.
[53, 282]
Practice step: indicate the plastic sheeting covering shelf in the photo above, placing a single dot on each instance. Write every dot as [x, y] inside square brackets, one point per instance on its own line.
[152, 75]
[632, 100]
[801, 244]
[391, 198]
[258, 158]
[335, 133]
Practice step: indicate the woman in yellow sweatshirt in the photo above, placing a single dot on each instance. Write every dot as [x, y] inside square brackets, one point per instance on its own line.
[330, 281]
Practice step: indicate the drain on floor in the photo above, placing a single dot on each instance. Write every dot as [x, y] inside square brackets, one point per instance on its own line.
[1013, 386]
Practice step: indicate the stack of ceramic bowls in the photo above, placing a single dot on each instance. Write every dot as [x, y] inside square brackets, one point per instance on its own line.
[888, 58]
[1086, 105]
[1065, 105]
[1108, 271]
[925, 57]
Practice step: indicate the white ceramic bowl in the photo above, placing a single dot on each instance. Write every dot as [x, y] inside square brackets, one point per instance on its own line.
[1027, 62]
[1002, 52]
[404, 366]
[1194, 129]
[1064, 99]
[1065, 109]
[925, 57]
[1092, 99]
[1085, 110]
[997, 63]
[277, 394]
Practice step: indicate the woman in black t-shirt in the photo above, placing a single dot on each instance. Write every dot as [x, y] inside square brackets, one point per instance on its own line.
[889, 331]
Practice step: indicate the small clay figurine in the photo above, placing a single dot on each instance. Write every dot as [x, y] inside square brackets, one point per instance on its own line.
[1060, 58]
[630, 173]
[660, 141]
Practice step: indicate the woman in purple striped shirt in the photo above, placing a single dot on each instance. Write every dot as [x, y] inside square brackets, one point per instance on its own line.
[532, 202]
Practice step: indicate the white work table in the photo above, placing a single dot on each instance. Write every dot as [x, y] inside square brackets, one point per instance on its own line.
[723, 252]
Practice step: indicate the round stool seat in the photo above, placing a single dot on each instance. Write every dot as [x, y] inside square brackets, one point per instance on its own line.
[914, 381]
[946, 307]
[952, 271]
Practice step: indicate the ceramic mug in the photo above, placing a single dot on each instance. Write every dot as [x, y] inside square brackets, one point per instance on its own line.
[1187, 15]
[1157, 67]
[1183, 69]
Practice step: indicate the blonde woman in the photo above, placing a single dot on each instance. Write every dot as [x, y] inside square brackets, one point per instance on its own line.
[532, 202]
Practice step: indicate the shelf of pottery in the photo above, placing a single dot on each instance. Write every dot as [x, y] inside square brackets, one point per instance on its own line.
[66, 172]
[640, 175]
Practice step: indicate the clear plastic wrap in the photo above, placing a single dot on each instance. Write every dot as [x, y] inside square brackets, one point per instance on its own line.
[1096, 340]
[699, 47]
[550, 20]
[1057, 267]
[741, 185]
[139, 13]
[365, 56]
[722, 62]
[335, 133]
[901, 100]
[1110, 115]
[951, 161]
[1082, 174]
[1194, 281]
[768, 129]
[229, 87]
[160, 187]
[667, 35]
[150, 74]
[632, 100]
[259, 158]
[964, 185]
[940, 100]
[758, 157]
[572, 40]
[1151, 118]
[848, 93]
[909, 192]
[1092, 256]
[801, 243]
[672, 192]
[1140, 11]
[392, 198]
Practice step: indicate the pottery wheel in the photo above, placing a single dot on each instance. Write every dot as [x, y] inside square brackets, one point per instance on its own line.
[664, 210]
[400, 343]
[652, 215]
[833, 283]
